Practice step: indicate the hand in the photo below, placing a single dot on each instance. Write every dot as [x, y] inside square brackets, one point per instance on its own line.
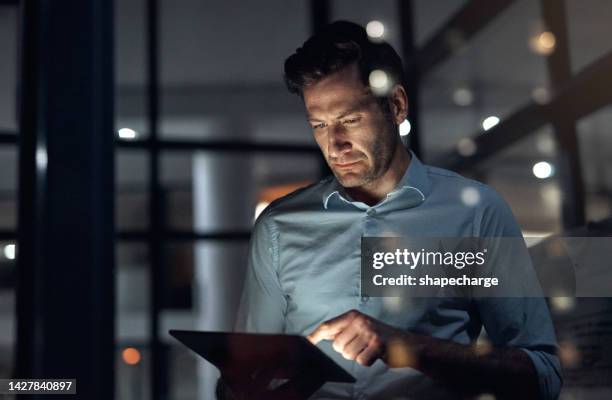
[359, 337]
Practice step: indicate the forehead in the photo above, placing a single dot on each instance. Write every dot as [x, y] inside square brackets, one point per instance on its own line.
[336, 91]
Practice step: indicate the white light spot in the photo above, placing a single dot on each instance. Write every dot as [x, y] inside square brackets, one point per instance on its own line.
[540, 95]
[455, 39]
[260, 207]
[463, 97]
[392, 304]
[543, 43]
[562, 304]
[375, 29]
[543, 170]
[470, 196]
[551, 195]
[490, 122]
[466, 147]
[404, 128]
[127, 133]
[546, 145]
[486, 396]
[379, 82]
[10, 251]
[41, 158]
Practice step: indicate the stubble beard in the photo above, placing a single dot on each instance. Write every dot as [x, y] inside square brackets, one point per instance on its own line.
[382, 153]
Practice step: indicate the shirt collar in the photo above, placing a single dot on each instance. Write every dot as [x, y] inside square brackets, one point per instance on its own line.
[411, 190]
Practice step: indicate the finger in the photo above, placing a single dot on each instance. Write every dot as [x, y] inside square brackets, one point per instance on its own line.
[329, 329]
[372, 351]
[352, 349]
[342, 339]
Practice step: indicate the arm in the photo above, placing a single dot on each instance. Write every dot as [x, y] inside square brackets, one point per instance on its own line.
[504, 372]
[263, 304]
[522, 321]
[262, 310]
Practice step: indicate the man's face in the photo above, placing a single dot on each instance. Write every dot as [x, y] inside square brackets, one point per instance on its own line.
[356, 137]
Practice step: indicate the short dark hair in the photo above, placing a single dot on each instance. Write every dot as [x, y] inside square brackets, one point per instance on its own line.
[336, 46]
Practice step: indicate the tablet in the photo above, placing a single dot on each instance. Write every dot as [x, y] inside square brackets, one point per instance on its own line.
[288, 355]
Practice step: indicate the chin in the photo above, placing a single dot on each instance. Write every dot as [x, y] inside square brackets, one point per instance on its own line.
[350, 179]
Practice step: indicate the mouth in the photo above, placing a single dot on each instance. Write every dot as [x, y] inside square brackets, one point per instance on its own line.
[345, 165]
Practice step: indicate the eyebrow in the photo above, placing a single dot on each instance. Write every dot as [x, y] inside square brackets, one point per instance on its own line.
[355, 108]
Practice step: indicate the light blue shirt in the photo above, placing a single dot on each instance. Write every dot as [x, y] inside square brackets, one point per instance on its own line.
[304, 268]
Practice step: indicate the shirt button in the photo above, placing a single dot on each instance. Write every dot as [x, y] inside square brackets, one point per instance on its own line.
[365, 298]
[371, 212]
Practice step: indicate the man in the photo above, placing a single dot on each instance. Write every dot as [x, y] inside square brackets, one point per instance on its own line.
[304, 267]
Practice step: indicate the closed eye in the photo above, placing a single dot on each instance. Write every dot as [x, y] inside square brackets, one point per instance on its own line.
[351, 121]
[318, 126]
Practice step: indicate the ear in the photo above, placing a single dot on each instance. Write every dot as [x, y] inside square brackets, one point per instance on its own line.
[399, 103]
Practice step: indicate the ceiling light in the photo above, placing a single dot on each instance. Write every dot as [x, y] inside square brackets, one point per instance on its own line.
[9, 251]
[466, 147]
[490, 122]
[379, 82]
[470, 196]
[540, 95]
[546, 145]
[543, 170]
[41, 158]
[463, 96]
[543, 43]
[375, 29]
[127, 133]
[404, 128]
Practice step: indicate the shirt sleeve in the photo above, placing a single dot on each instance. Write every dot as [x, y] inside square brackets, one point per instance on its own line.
[263, 304]
[522, 322]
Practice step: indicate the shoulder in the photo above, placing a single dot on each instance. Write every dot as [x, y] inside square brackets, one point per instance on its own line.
[492, 214]
[470, 191]
[305, 198]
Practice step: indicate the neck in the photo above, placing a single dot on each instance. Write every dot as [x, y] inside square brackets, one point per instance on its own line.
[373, 192]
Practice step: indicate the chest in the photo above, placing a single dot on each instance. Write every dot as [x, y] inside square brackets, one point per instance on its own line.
[320, 256]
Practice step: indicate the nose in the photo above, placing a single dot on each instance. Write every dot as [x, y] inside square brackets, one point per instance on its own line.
[338, 142]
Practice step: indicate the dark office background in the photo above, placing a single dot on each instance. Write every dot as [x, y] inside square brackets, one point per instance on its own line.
[199, 134]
